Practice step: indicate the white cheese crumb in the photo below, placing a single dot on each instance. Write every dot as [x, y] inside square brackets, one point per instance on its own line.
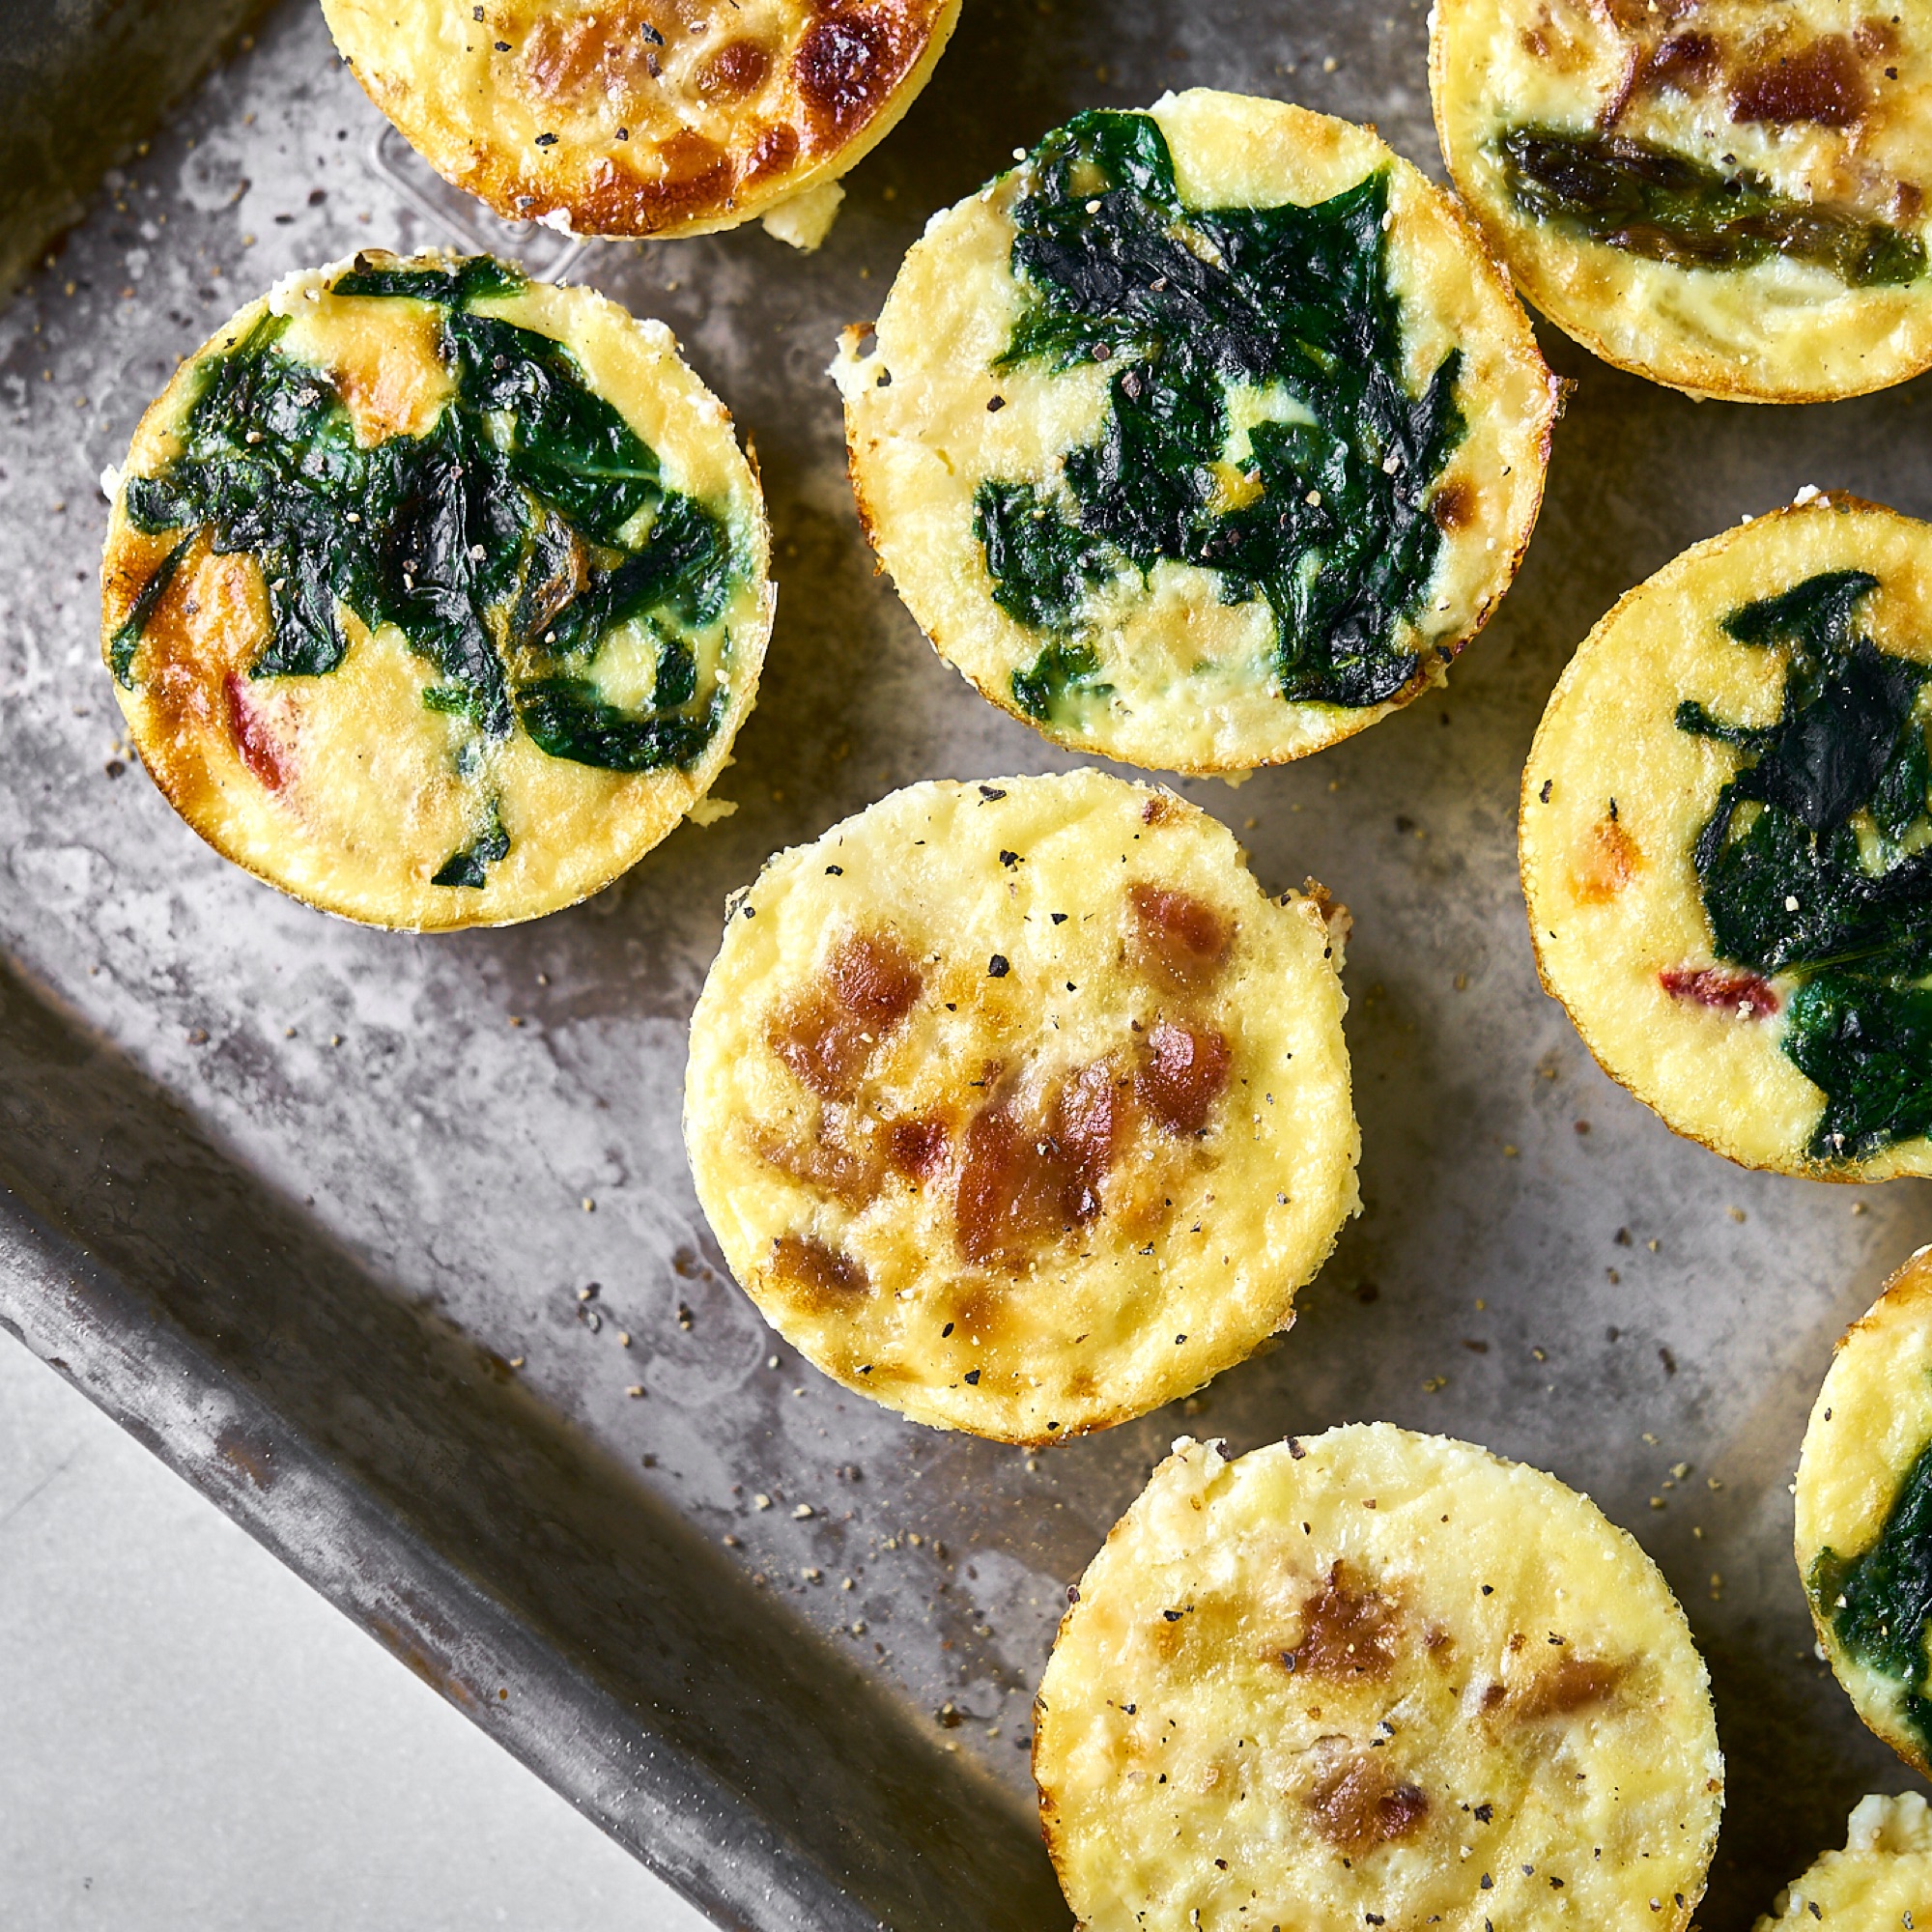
[110, 482]
[1790, 903]
[558, 219]
[1808, 494]
[804, 221]
[709, 810]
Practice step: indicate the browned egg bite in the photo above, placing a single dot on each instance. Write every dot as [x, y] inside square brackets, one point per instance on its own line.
[646, 117]
[1018, 1106]
[1374, 1678]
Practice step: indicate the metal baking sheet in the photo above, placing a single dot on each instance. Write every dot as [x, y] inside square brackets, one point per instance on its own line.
[314, 1210]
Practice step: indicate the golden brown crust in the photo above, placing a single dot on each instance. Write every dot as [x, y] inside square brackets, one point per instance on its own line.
[344, 790]
[1784, 92]
[643, 117]
[1185, 666]
[1732, 1131]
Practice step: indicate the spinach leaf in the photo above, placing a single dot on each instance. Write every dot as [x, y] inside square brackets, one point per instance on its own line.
[1878, 1603]
[126, 638]
[1185, 303]
[569, 719]
[1060, 672]
[1653, 202]
[454, 287]
[1782, 872]
[498, 530]
[468, 867]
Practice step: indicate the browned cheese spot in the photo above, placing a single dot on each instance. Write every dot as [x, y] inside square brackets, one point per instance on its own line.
[1822, 83]
[1570, 1684]
[1026, 1182]
[1158, 809]
[828, 1037]
[918, 1148]
[1345, 1632]
[773, 151]
[847, 66]
[1454, 506]
[1608, 861]
[1176, 937]
[826, 1162]
[733, 71]
[818, 1278]
[606, 52]
[1361, 1805]
[1181, 1074]
[1874, 35]
[1681, 62]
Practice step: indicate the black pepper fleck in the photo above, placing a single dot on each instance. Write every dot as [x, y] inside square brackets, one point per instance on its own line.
[971, 1377]
[991, 791]
[998, 966]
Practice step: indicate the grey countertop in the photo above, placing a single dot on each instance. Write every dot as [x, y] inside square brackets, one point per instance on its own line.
[192, 1740]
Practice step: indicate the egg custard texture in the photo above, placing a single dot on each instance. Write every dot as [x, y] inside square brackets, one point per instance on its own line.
[1018, 1106]
[645, 116]
[1880, 1881]
[435, 596]
[1865, 1513]
[1724, 838]
[1374, 1678]
[1726, 196]
[1203, 436]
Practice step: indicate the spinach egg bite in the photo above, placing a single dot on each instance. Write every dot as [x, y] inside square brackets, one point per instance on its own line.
[433, 595]
[1374, 1678]
[1202, 437]
[1879, 1882]
[1865, 1513]
[1724, 835]
[1018, 1106]
[1726, 196]
[646, 117]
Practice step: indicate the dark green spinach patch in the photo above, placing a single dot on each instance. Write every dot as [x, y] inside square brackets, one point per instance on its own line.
[1183, 302]
[1879, 1604]
[496, 541]
[1650, 201]
[1783, 875]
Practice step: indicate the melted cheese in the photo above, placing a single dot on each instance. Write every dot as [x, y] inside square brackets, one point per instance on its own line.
[1018, 1106]
[1194, 685]
[345, 790]
[1614, 893]
[644, 117]
[1872, 1419]
[1879, 1882]
[1780, 331]
[1373, 1677]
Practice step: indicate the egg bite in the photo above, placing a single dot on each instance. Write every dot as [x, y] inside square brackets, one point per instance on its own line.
[433, 595]
[1865, 1513]
[1726, 196]
[1018, 1106]
[1202, 437]
[1724, 835]
[1880, 1881]
[646, 117]
[1374, 1678]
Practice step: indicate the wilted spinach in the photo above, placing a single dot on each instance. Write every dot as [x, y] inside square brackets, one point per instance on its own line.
[520, 529]
[1880, 1601]
[1783, 873]
[1184, 304]
[1650, 201]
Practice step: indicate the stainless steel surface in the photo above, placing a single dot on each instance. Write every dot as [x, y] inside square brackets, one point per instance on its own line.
[289, 1197]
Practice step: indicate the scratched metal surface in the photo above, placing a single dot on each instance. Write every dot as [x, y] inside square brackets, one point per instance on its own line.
[288, 1197]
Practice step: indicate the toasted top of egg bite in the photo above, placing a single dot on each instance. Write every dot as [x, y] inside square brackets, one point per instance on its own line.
[1864, 1522]
[1202, 437]
[1018, 1106]
[645, 116]
[434, 595]
[1373, 1677]
[1882, 1881]
[1724, 823]
[1725, 197]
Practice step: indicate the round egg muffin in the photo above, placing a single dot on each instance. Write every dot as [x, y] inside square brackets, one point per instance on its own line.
[646, 117]
[1018, 1106]
[1203, 436]
[1725, 833]
[433, 595]
[1880, 1881]
[1374, 1678]
[1726, 196]
[1865, 1513]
